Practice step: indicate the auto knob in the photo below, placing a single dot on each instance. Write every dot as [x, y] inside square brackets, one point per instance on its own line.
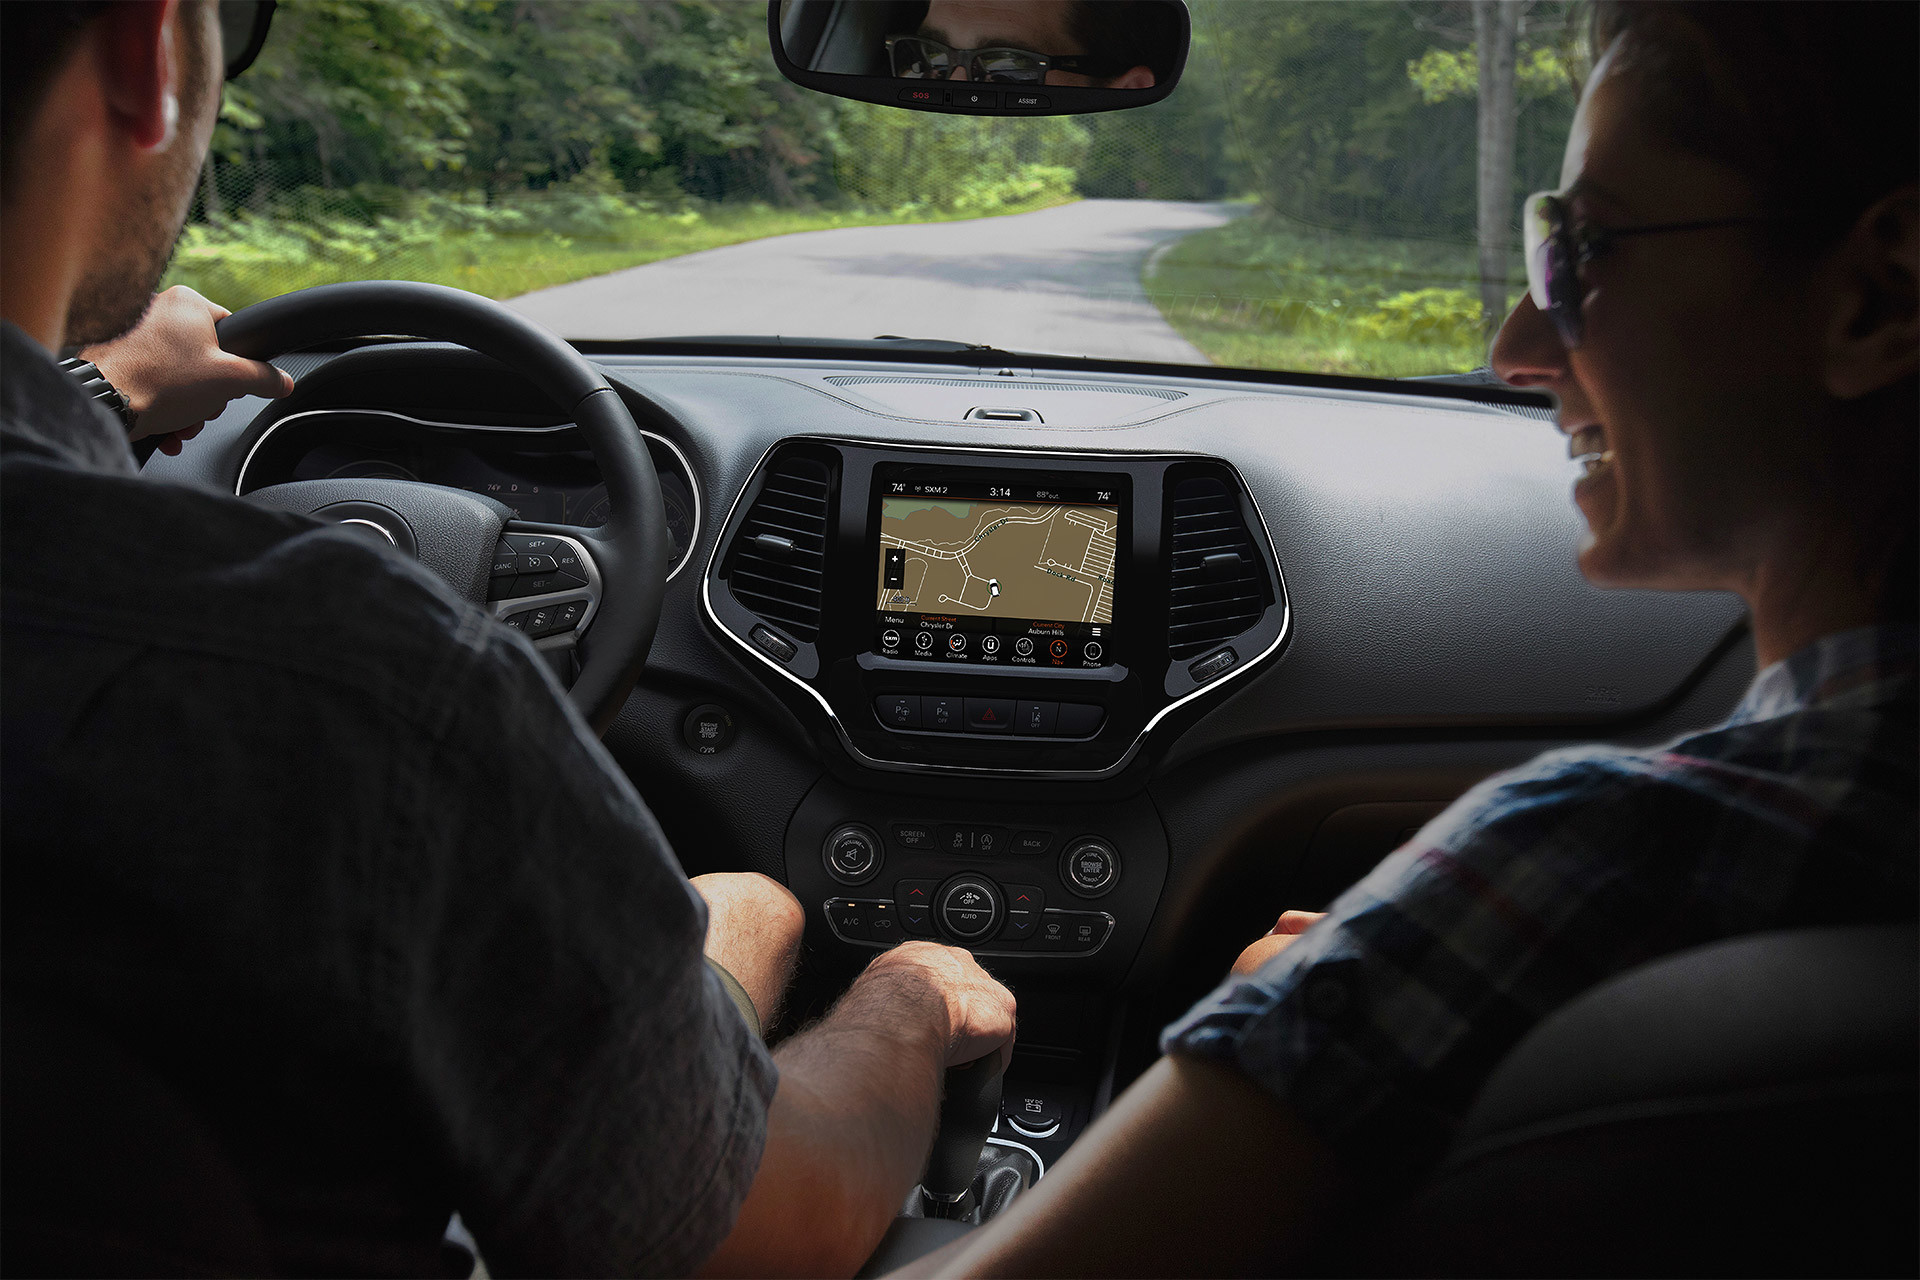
[1090, 867]
[851, 853]
[968, 908]
[967, 1109]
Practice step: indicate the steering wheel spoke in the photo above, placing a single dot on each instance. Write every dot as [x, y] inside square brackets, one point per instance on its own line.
[457, 532]
[544, 582]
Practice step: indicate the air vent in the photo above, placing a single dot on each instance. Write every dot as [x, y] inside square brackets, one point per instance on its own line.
[1219, 579]
[780, 551]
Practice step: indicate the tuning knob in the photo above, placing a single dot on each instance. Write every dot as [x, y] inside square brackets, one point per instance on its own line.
[1090, 867]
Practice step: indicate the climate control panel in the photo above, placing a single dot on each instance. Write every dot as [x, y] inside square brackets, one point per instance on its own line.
[971, 910]
[1042, 885]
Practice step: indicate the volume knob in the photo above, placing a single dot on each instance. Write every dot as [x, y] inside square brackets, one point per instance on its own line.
[852, 853]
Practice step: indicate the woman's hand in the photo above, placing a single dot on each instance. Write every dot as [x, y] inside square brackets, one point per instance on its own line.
[1289, 927]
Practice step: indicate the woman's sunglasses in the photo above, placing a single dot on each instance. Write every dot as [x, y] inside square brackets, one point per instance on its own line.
[1559, 248]
[922, 58]
[243, 29]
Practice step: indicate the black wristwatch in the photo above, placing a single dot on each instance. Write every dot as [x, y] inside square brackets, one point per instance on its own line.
[95, 384]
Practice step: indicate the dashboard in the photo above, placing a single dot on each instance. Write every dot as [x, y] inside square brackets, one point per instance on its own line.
[544, 474]
[1093, 685]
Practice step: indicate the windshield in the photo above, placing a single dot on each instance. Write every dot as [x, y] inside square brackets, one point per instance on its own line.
[1331, 188]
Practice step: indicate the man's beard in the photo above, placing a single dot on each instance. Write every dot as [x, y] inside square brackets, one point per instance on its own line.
[115, 292]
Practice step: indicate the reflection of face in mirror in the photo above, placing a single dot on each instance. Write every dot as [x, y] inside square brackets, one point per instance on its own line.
[1100, 43]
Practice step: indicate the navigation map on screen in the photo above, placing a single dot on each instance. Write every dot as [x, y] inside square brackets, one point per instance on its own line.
[997, 573]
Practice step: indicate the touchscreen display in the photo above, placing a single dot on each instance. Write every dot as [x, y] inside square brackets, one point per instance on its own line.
[983, 572]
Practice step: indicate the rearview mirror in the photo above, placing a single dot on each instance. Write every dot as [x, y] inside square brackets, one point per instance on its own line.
[984, 57]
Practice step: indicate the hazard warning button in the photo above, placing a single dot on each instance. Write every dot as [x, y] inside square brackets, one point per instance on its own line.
[990, 715]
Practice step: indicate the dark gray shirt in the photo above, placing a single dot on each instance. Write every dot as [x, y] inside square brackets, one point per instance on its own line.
[327, 847]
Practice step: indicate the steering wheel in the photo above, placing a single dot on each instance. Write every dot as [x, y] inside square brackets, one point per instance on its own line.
[560, 580]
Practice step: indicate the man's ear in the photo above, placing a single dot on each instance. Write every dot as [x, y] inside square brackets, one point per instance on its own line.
[1874, 338]
[140, 70]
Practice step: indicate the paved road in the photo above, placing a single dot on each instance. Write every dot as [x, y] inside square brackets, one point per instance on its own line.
[1061, 280]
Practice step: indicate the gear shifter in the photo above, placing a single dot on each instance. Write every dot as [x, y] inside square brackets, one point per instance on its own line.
[967, 1111]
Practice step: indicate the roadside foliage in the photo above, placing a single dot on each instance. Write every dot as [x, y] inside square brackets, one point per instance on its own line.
[508, 145]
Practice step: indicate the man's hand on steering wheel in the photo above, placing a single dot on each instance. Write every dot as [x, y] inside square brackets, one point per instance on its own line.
[173, 373]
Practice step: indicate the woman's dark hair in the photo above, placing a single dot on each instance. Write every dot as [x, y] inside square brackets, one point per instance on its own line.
[1815, 104]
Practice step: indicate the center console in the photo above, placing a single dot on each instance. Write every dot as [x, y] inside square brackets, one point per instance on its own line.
[995, 612]
[1009, 626]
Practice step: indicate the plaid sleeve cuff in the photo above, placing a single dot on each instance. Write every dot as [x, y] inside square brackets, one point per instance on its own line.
[1300, 1030]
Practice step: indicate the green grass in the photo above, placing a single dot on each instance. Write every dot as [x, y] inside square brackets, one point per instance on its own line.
[1261, 293]
[249, 259]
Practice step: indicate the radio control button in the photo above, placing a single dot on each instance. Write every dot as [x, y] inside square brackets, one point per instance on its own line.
[1090, 867]
[851, 854]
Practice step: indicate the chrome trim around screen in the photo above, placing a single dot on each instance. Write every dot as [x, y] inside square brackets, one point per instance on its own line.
[1282, 599]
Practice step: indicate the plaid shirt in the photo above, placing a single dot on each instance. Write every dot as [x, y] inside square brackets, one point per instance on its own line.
[1382, 1022]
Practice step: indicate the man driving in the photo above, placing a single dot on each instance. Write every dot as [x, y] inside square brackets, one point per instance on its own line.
[1108, 44]
[322, 852]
